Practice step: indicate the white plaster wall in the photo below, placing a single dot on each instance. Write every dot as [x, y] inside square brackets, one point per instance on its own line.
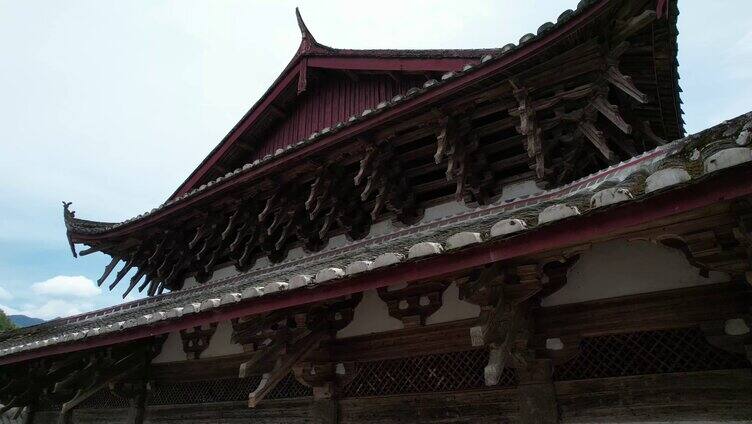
[620, 268]
[370, 316]
[520, 188]
[220, 344]
[440, 211]
[172, 350]
[452, 308]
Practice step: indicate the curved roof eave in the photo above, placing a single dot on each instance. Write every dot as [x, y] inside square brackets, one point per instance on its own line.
[433, 90]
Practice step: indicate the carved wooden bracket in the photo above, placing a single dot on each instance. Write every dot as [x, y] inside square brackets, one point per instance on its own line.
[284, 341]
[197, 340]
[722, 249]
[414, 303]
[74, 378]
[456, 142]
[530, 128]
[381, 173]
[505, 294]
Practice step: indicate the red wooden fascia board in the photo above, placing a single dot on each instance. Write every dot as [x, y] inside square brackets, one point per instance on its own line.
[523, 53]
[724, 186]
[661, 8]
[391, 64]
[286, 161]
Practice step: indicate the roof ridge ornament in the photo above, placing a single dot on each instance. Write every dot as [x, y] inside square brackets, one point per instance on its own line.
[304, 32]
[308, 43]
[68, 217]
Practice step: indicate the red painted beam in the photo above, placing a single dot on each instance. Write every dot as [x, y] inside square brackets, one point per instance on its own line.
[391, 64]
[348, 133]
[723, 186]
[661, 8]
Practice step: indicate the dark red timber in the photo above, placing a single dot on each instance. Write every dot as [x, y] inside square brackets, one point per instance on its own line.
[331, 99]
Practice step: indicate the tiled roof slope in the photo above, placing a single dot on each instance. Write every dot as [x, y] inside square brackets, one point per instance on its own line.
[76, 226]
[683, 162]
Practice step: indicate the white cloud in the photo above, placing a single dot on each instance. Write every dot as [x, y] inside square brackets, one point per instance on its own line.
[58, 308]
[8, 310]
[67, 286]
[5, 294]
[54, 308]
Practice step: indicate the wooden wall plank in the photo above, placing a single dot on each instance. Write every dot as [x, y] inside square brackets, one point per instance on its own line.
[497, 406]
[269, 412]
[708, 395]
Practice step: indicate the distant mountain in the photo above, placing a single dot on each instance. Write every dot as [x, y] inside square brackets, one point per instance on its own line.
[24, 321]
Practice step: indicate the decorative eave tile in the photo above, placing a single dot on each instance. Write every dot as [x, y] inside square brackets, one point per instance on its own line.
[327, 274]
[275, 286]
[299, 280]
[357, 267]
[425, 248]
[252, 292]
[508, 226]
[230, 298]
[386, 259]
[557, 212]
[666, 178]
[463, 239]
[210, 304]
[727, 158]
[610, 196]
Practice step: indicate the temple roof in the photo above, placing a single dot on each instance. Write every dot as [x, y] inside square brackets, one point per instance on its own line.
[576, 108]
[325, 57]
[701, 169]
[479, 63]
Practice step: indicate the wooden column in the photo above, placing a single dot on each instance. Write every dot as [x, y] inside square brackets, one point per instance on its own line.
[537, 394]
[324, 411]
[30, 412]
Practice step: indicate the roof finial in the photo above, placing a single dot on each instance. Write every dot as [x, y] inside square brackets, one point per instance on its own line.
[68, 217]
[307, 36]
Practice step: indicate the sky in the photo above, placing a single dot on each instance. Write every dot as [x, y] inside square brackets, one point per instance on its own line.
[111, 104]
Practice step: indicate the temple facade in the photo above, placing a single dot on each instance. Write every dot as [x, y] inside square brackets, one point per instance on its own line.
[521, 234]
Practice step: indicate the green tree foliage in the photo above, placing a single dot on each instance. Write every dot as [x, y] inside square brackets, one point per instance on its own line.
[5, 323]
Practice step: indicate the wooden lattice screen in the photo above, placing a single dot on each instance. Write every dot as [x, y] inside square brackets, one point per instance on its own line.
[648, 352]
[222, 390]
[443, 372]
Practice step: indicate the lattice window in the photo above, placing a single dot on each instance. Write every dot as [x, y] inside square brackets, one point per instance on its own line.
[224, 390]
[441, 372]
[649, 352]
[104, 399]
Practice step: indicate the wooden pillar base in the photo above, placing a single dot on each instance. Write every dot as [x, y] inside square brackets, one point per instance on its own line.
[325, 411]
[537, 394]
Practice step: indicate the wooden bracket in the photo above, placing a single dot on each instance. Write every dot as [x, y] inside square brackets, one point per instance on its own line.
[414, 303]
[197, 340]
[284, 365]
